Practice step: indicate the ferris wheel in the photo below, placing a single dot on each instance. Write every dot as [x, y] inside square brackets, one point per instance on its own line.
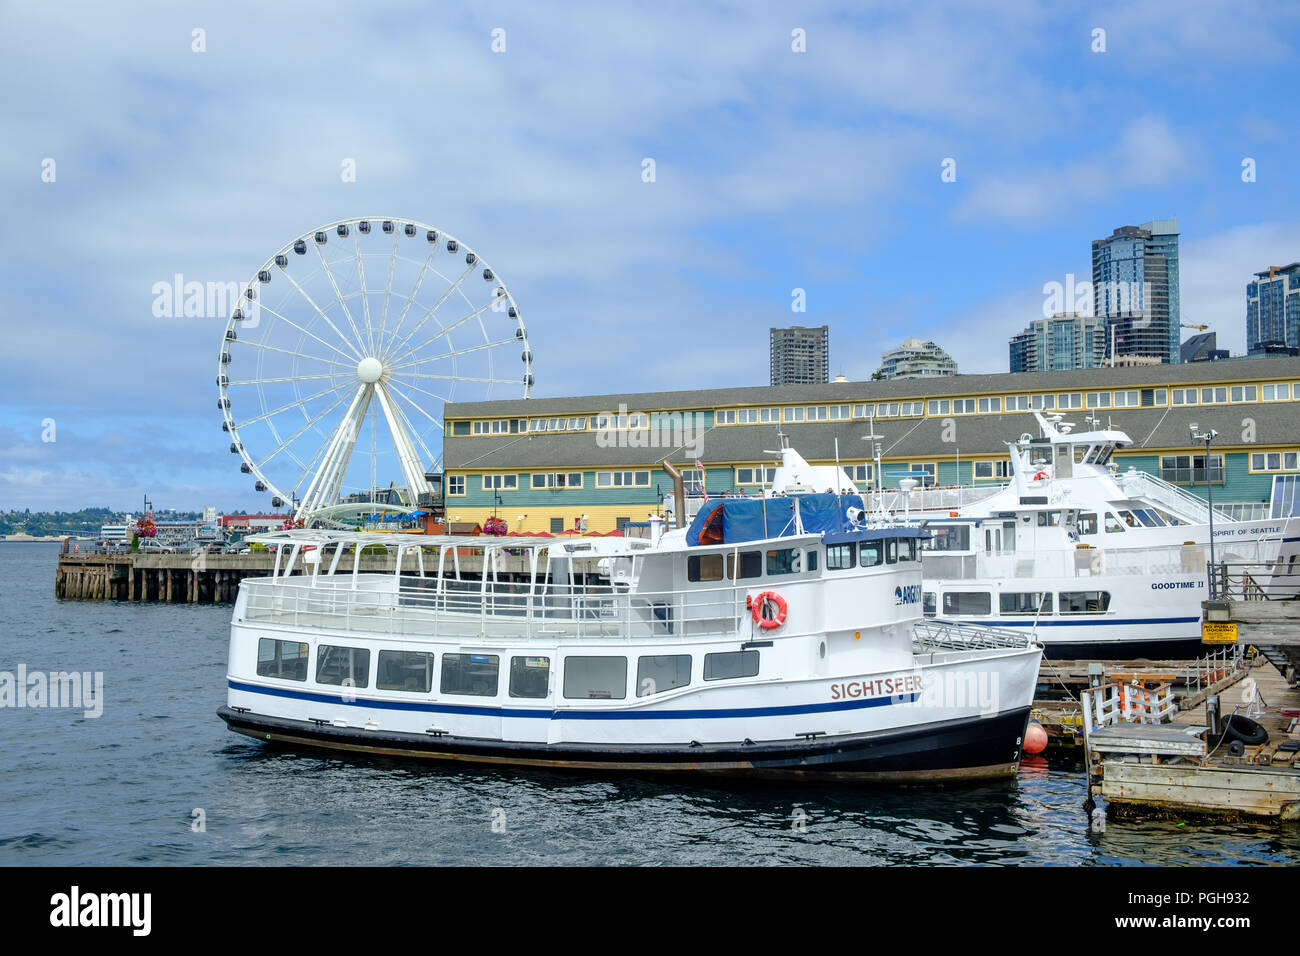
[343, 348]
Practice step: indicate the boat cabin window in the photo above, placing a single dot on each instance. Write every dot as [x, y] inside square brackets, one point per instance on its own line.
[1026, 602]
[1128, 518]
[595, 678]
[731, 664]
[750, 565]
[1088, 522]
[948, 537]
[704, 567]
[967, 602]
[654, 675]
[871, 554]
[1113, 524]
[1148, 517]
[286, 660]
[786, 561]
[343, 666]
[530, 677]
[907, 549]
[1084, 602]
[405, 670]
[841, 557]
[928, 603]
[891, 551]
[471, 675]
[1049, 519]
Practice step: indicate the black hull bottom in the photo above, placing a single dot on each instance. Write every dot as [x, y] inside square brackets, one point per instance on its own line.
[1183, 649]
[973, 749]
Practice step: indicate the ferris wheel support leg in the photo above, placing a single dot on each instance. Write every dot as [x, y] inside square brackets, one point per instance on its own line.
[412, 469]
[327, 481]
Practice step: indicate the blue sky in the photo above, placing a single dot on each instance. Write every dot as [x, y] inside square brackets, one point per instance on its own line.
[775, 170]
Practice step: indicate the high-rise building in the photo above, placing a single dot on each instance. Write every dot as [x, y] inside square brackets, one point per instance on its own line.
[800, 356]
[1135, 280]
[916, 359]
[1273, 309]
[1067, 340]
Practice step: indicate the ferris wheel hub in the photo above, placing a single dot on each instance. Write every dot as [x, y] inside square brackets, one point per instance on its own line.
[370, 369]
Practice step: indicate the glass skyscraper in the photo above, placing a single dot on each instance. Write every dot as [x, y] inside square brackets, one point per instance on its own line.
[1135, 288]
[1273, 309]
[1065, 341]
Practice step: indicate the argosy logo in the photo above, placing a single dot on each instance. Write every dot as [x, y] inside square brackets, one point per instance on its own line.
[909, 594]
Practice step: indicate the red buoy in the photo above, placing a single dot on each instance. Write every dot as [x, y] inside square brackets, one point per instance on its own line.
[1035, 738]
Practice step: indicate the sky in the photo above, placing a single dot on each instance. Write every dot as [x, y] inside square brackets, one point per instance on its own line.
[792, 149]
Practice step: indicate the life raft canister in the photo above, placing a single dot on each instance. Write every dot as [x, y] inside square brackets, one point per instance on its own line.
[768, 609]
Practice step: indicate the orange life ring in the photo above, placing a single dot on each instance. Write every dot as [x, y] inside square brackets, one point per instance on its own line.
[761, 603]
[1041, 476]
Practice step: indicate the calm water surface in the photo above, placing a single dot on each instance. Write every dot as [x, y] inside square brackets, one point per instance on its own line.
[122, 788]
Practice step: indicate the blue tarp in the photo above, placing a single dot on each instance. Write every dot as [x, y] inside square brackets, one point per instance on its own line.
[723, 520]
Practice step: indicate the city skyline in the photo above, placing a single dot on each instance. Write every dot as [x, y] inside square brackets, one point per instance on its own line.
[858, 183]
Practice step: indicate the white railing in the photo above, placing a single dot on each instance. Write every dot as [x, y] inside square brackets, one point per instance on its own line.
[1184, 504]
[1245, 510]
[1110, 704]
[930, 636]
[1214, 667]
[1079, 563]
[894, 500]
[469, 610]
[1256, 581]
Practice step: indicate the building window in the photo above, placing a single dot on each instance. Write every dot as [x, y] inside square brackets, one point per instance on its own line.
[755, 476]
[1127, 399]
[993, 469]
[471, 675]
[1183, 396]
[1273, 461]
[725, 416]
[863, 474]
[1098, 400]
[557, 525]
[570, 479]
[730, 665]
[864, 411]
[1041, 403]
[343, 666]
[500, 482]
[1017, 403]
[530, 677]
[286, 660]
[460, 428]
[455, 484]
[1190, 469]
[816, 413]
[693, 480]
[1213, 396]
[769, 416]
[410, 671]
[654, 675]
[987, 405]
[747, 416]
[963, 406]
[1070, 400]
[1245, 393]
[940, 406]
[927, 470]
[1276, 393]
[622, 479]
[595, 678]
[838, 412]
[1150, 397]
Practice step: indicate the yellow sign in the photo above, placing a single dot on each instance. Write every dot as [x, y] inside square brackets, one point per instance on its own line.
[1218, 632]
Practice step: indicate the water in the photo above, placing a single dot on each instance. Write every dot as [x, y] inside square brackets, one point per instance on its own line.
[123, 788]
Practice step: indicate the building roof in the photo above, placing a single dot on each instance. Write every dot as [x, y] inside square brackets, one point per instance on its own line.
[1001, 383]
[921, 439]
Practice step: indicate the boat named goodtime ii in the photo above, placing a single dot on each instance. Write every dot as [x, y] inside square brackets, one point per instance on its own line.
[773, 637]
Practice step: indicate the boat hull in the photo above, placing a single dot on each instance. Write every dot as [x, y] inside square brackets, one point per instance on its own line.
[976, 748]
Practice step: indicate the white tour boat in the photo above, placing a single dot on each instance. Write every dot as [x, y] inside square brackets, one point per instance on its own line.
[776, 637]
[1102, 563]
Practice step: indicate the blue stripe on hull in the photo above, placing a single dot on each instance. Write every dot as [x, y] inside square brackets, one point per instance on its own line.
[549, 714]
